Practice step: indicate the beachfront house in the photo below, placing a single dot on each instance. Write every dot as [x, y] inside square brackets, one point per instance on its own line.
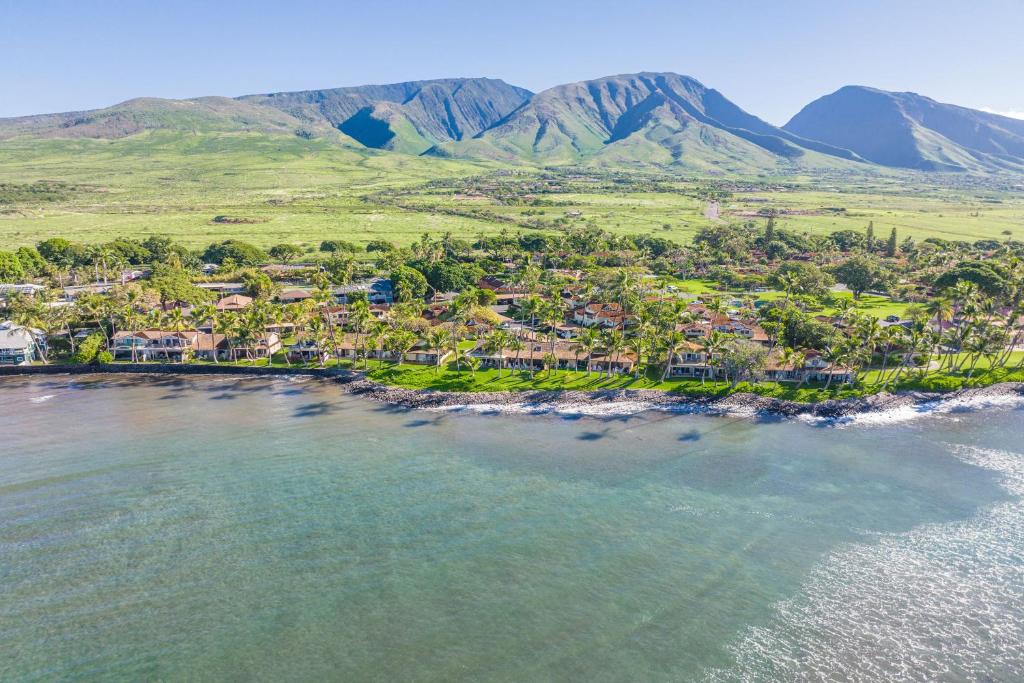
[153, 345]
[567, 356]
[18, 345]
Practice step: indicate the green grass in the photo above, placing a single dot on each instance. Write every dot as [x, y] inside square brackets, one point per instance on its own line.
[304, 191]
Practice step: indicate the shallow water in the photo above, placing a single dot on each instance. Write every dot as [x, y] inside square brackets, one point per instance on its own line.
[218, 529]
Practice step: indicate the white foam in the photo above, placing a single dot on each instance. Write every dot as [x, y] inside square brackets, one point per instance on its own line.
[941, 602]
[611, 408]
[41, 399]
[906, 413]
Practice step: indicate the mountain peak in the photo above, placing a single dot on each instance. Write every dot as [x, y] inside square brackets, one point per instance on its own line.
[908, 130]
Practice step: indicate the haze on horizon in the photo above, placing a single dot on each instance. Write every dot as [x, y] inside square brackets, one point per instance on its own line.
[62, 55]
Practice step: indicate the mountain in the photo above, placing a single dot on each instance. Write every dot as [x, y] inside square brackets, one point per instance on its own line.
[205, 114]
[640, 119]
[904, 129]
[406, 117]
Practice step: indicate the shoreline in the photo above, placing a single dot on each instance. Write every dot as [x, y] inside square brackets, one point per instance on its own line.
[557, 401]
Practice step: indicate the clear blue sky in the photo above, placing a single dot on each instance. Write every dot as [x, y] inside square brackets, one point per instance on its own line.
[771, 58]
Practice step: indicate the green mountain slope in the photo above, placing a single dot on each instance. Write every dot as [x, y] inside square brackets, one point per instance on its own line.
[408, 117]
[643, 119]
[202, 115]
[911, 131]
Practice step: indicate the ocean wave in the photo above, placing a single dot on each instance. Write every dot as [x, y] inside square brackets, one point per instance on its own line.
[941, 602]
[905, 413]
[595, 409]
[41, 399]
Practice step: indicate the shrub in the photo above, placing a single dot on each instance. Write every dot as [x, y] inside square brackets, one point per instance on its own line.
[104, 357]
[89, 349]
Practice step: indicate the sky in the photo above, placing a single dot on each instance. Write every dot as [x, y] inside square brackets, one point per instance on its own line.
[771, 58]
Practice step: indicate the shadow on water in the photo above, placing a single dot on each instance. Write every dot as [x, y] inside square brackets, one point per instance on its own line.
[423, 422]
[691, 435]
[318, 409]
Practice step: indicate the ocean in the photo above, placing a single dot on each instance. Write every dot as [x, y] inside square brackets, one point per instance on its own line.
[163, 528]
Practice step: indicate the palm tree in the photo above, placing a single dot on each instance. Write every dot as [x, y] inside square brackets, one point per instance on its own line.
[226, 323]
[711, 345]
[613, 343]
[834, 356]
[399, 342]
[516, 345]
[674, 343]
[587, 343]
[495, 344]
[359, 318]
[438, 339]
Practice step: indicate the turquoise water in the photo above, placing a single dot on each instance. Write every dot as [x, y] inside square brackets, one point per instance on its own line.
[216, 529]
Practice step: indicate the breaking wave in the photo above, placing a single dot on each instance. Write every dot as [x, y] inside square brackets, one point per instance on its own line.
[941, 602]
[906, 413]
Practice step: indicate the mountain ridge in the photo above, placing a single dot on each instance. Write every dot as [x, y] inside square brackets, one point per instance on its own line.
[647, 119]
[908, 130]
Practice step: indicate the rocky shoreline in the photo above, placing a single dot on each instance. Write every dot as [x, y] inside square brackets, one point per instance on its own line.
[581, 401]
[605, 400]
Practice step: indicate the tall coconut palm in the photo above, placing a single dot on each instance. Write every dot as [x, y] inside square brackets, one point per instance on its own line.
[673, 344]
[587, 343]
[495, 345]
[711, 346]
[438, 339]
[613, 343]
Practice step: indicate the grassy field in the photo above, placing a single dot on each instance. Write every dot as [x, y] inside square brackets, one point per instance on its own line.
[287, 188]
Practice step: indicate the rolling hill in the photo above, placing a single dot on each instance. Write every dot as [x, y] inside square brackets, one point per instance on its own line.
[643, 119]
[907, 130]
[203, 115]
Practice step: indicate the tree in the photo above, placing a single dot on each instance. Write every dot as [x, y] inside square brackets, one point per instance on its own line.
[236, 251]
[800, 277]
[285, 252]
[258, 284]
[769, 230]
[57, 251]
[587, 343]
[31, 261]
[674, 343]
[334, 246]
[379, 246]
[174, 285]
[408, 283]
[859, 273]
[869, 239]
[11, 269]
[89, 349]
[438, 339]
[890, 246]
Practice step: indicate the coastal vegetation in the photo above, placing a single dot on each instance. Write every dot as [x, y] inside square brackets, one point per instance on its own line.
[743, 306]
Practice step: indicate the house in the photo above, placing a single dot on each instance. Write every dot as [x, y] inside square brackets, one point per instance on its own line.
[291, 296]
[609, 315]
[567, 356]
[819, 370]
[234, 302]
[211, 347]
[153, 345]
[689, 361]
[222, 288]
[264, 346]
[378, 291]
[7, 290]
[18, 345]
[495, 284]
